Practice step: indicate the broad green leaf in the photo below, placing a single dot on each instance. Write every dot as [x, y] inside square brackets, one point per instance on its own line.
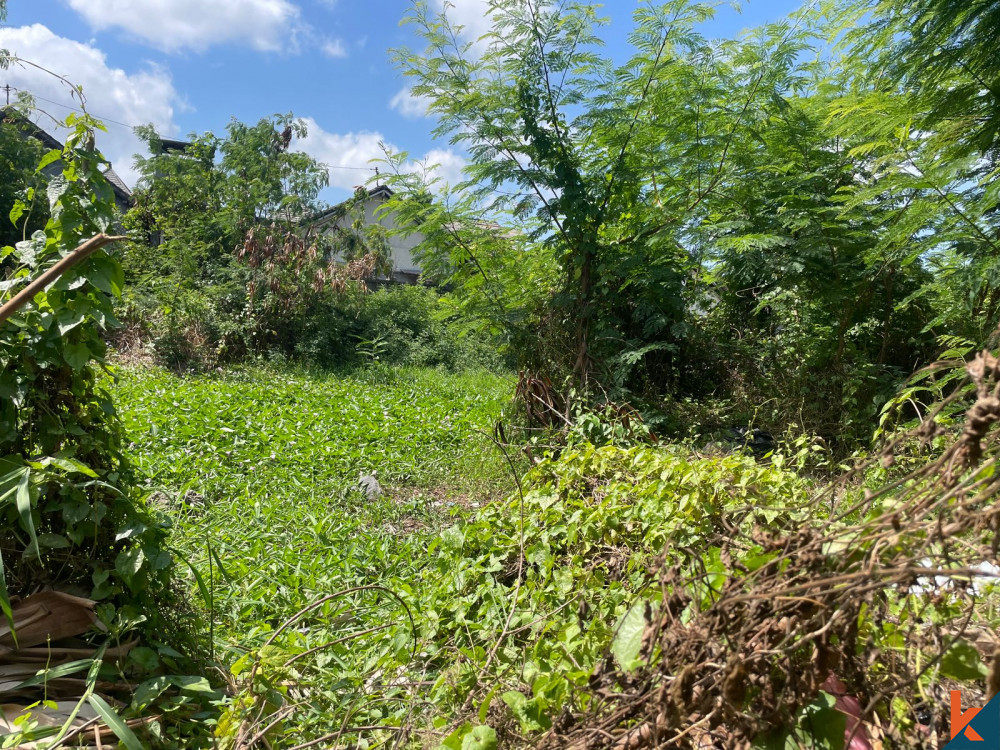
[53, 541]
[17, 211]
[454, 740]
[481, 737]
[50, 157]
[628, 636]
[193, 684]
[822, 725]
[106, 275]
[149, 691]
[527, 711]
[77, 355]
[66, 464]
[962, 662]
[145, 657]
[129, 562]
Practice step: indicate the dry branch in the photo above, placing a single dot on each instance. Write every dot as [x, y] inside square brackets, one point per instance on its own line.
[82, 252]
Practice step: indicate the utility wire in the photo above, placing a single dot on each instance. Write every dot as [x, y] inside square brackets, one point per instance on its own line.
[77, 109]
[132, 127]
[102, 118]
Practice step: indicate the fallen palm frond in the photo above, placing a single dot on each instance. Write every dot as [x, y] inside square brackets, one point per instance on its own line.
[49, 678]
[542, 403]
[44, 617]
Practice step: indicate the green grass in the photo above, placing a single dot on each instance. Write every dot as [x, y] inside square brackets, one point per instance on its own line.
[416, 618]
[268, 431]
[257, 471]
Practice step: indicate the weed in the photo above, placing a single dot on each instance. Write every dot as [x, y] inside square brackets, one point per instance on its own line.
[258, 471]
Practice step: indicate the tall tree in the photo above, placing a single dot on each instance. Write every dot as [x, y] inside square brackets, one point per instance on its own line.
[223, 251]
[604, 166]
[924, 109]
[19, 156]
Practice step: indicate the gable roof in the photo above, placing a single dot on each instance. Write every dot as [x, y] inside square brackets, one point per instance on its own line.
[12, 116]
[122, 190]
[379, 191]
[32, 130]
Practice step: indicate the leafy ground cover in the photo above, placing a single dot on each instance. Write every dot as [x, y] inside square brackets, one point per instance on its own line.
[258, 471]
[615, 592]
[431, 610]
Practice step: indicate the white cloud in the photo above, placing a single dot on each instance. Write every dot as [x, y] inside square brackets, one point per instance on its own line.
[472, 15]
[349, 155]
[141, 97]
[443, 164]
[334, 48]
[409, 104]
[171, 25]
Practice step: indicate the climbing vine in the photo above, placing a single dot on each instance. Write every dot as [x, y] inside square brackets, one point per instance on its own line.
[71, 519]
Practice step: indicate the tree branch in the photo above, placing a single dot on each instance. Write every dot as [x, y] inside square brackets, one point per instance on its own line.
[84, 251]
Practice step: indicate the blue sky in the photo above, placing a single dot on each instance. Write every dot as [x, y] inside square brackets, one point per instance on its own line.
[191, 65]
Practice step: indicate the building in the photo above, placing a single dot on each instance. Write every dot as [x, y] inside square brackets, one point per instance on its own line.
[123, 196]
[405, 269]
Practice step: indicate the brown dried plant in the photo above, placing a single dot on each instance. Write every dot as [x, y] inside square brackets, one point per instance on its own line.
[726, 669]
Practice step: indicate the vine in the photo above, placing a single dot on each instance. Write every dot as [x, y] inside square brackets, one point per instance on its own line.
[72, 521]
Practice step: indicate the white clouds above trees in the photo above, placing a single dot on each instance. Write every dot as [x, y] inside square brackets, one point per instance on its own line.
[349, 157]
[146, 95]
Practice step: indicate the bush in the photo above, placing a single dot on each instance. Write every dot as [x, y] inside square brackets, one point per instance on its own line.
[189, 329]
[403, 325]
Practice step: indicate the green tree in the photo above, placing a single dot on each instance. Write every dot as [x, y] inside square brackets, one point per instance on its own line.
[179, 222]
[225, 256]
[70, 515]
[19, 157]
[812, 285]
[603, 167]
[922, 108]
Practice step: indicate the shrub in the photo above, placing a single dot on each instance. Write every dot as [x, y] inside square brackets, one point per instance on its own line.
[71, 516]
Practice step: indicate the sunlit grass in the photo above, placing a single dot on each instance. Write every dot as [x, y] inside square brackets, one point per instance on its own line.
[258, 470]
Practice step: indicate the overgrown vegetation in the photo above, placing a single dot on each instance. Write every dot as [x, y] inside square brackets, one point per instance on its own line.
[259, 472]
[223, 265]
[73, 521]
[376, 545]
[787, 223]
[59, 432]
[434, 617]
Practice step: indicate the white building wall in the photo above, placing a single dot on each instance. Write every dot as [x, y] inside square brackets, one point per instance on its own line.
[401, 247]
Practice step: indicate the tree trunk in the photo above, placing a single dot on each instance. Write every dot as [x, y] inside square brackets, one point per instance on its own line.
[581, 369]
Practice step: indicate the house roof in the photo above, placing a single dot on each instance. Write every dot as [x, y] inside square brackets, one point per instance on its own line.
[29, 128]
[167, 145]
[118, 185]
[9, 114]
[379, 191]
